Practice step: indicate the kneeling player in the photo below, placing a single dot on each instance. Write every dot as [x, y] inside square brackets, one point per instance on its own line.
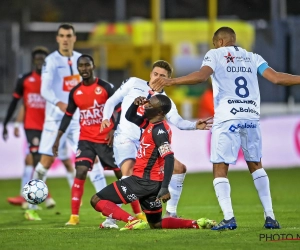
[151, 173]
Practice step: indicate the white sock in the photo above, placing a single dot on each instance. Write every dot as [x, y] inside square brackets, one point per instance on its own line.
[222, 189]
[175, 188]
[27, 174]
[261, 182]
[40, 172]
[97, 177]
[70, 177]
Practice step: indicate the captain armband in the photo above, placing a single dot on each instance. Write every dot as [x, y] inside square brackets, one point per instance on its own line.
[165, 149]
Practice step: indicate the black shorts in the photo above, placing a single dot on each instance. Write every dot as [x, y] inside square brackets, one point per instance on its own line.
[33, 139]
[134, 188]
[87, 151]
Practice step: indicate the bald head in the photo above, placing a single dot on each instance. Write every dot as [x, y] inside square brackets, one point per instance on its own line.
[224, 36]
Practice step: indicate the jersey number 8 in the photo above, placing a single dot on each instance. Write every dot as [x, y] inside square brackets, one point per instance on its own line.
[240, 87]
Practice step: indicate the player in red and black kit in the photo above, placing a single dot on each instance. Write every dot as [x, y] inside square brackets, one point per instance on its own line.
[89, 96]
[152, 172]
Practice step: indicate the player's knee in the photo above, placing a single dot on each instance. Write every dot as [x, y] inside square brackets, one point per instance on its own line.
[179, 168]
[94, 200]
[81, 172]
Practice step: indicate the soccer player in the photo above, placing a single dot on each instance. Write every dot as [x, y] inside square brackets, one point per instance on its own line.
[236, 122]
[151, 175]
[127, 135]
[59, 76]
[89, 96]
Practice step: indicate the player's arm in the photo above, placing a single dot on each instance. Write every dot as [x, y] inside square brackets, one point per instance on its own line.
[162, 141]
[71, 108]
[17, 95]
[47, 85]
[19, 120]
[131, 114]
[280, 78]
[112, 102]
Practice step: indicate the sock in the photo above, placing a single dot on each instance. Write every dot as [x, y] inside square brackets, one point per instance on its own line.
[70, 177]
[32, 207]
[222, 189]
[40, 172]
[176, 223]
[77, 192]
[112, 210]
[28, 170]
[97, 177]
[261, 182]
[175, 189]
[136, 207]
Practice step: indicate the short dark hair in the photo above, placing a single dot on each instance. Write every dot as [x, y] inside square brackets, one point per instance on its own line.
[66, 26]
[165, 103]
[164, 65]
[39, 50]
[224, 29]
[87, 56]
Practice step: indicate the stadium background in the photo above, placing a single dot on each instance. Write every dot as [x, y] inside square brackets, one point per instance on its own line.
[125, 36]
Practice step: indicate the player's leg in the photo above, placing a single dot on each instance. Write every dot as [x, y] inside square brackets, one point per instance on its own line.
[175, 188]
[225, 144]
[84, 160]
[97, 177]
[65, 159]
[251, 145]
[125, 151]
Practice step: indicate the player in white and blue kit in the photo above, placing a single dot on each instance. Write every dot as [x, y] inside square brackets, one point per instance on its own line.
[233, 71]
[127, 136]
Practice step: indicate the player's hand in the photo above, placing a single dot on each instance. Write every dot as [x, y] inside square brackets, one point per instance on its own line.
[204, 124]
[104, 124]
[163, 195]
[141, 100]
[110, 138]
[62, 106]
[55, 148]
[16, 132]
[5, 133]
[159, 83]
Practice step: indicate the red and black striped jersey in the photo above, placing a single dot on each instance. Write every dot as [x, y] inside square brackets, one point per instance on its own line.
[29, 87]
[90, 100]
[154, 146]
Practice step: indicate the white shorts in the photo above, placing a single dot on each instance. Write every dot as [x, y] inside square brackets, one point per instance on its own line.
[229, 136]
[49, 134]
[124, 148]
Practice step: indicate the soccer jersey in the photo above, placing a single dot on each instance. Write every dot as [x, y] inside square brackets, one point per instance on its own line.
[90, 100]
[154, 146]
[59, 76]
[235, 84]
[129, 90]
[28, 87]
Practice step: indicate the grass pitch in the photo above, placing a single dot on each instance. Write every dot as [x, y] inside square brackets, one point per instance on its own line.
[198, 200]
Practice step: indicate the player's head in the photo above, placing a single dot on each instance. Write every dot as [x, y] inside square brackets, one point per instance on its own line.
[85, 66]
[224, 36]
[66, 37]
[160, 68]
[158, 106]
[38, 55]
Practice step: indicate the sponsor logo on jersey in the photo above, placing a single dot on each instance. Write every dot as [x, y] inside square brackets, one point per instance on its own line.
[31, 79]
[242, 59]
[242, 101]
[232, 128]
[160, 131]
[140, 89]
[229, 58]
[124, 189]
[98, 90]
[70, 82]
[234, 69]
[79, 92]
[246, 110]
[207, 59]
[92, 115]
[36, 101]
[142, 149]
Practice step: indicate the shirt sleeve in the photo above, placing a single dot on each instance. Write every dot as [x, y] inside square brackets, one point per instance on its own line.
[19, 89]
[115, 99]
[71, 108]
[210, 60]
[47, 82]
[162, 140]
[174, 118]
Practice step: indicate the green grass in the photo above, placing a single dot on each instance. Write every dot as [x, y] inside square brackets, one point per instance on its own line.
[198, 200]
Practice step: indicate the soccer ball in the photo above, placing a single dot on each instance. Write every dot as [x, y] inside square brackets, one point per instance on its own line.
[35, 191]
